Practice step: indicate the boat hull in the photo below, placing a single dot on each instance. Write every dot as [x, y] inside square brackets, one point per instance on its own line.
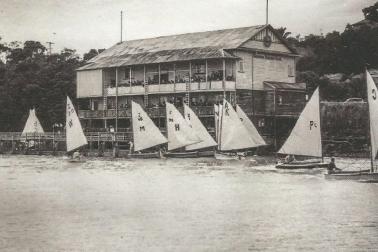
[144, 155]
[302, 165]
[189, 154]
[350, 175]
[228, 156]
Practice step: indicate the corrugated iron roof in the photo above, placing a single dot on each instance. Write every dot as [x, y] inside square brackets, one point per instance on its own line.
[189, 46]
[270, 85]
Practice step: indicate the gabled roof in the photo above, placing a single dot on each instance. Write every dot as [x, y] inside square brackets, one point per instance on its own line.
[271, 85]
[183, 47]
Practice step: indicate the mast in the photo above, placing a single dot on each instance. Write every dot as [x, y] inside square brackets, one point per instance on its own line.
[320, 128]
[371, 139]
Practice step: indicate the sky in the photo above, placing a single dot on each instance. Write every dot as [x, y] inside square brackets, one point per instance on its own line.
[86, 24]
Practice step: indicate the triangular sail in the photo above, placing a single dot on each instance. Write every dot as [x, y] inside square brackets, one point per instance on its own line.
[180, 134]
[74, 133]
[253, 133]
[32, 125]
[146, 133]
[305, 138]
[233, 134]
[197, 126]
[373, 113]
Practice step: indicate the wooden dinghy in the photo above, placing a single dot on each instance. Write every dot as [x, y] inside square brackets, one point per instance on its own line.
[75, 138]
[346, 175]
[371, 175]
[302, 165]
[145, 155]
[305, 138]
[234, 132]
[145, 133]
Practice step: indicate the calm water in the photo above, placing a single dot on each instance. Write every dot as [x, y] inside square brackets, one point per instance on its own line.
[47, 204]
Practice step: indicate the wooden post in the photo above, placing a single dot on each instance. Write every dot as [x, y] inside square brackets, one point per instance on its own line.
[224, 78]
[206, 73]
[116, 117]
[159, 72]
[252, 93]
[275, 121]
[39, 143]
[13, 144]
[130, 77]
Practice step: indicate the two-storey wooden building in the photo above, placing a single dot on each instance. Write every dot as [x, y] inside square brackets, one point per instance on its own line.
[251, 66]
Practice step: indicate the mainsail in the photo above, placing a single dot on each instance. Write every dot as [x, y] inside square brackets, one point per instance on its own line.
[32, 124]
[180, 134]
[248, 124]
[373, 113]
[75, 137]
[305, 138]
[233, 135]
[146, 134]
[197, 126]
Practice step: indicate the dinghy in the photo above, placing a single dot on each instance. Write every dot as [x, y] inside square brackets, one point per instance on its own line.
[75, 138]
[235, 133]
[366, 176]
[32, 130]
[305, 138]
[146, 134]
[200, 149]
[180, 133]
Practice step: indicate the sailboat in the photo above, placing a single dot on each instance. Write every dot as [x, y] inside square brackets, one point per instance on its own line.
[179, 131]
[75, 138]
[32, 129]
[145, 133]
[200, 149]
[32, 125]
[305, 138]
[370, 175]
[248, 124]
[232, 133]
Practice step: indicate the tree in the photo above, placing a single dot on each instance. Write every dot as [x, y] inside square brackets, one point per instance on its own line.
[371, 12]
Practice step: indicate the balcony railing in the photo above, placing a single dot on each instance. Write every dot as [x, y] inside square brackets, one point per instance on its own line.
[173, 88]
[152, 112]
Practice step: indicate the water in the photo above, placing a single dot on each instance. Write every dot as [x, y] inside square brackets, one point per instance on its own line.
[47, 204]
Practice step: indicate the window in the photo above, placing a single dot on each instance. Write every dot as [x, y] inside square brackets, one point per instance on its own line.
[127, 74]
[290, 71]
[241, 65]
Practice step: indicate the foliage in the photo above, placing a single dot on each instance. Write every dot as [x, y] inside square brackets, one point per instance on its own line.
[31, 78]
[371, 12]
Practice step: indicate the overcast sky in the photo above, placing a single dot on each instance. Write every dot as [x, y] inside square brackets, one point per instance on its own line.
[86, 24]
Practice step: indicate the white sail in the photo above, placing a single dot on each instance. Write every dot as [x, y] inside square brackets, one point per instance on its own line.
[373, 113]
[253, 133]
[75, 137]
[197, 126]
[146, 133]
[180, 134]
[32, 124]
[233, 134]
[305, 138]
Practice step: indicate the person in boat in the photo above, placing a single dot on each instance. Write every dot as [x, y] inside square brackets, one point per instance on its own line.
[332, 166]
[289, 159]
[76, 155]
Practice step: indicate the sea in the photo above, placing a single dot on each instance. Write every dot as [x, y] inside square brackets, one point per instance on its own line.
[48, 204]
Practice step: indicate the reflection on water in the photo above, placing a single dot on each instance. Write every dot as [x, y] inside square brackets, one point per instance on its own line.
[180, 204]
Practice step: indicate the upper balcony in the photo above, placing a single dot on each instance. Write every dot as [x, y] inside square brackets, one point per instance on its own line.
[181, 77]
